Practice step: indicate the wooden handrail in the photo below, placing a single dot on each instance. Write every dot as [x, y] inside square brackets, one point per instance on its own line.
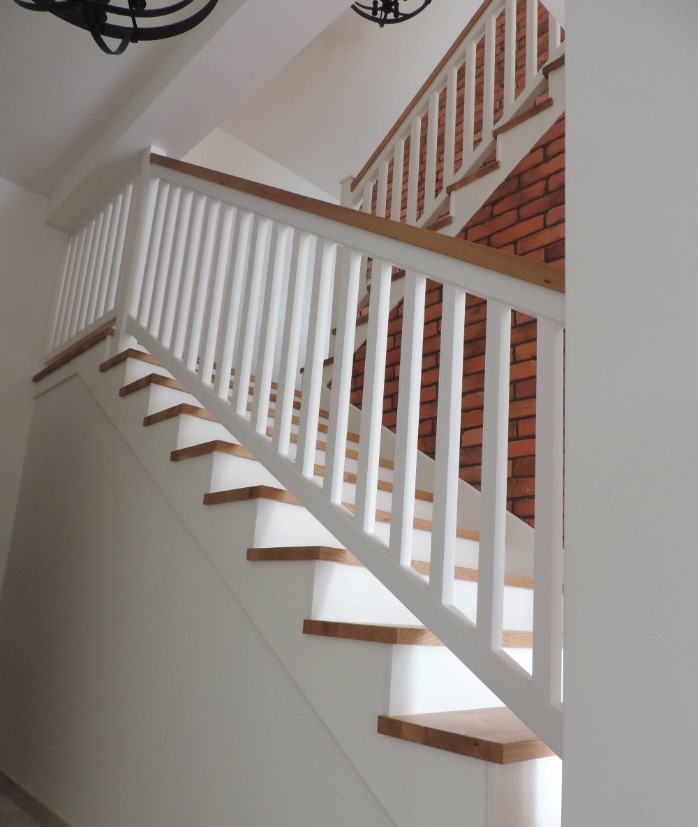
[517, 267]
[425, 86]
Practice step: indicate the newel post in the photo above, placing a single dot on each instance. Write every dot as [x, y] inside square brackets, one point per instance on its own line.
[135, 252]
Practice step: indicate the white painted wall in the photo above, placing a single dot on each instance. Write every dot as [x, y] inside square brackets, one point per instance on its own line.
[631, 670]
[224, 152]
[28, 256]
[134, 689]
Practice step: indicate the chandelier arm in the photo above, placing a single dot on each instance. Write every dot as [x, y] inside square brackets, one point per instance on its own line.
[382, 16]
[144, 13]
[47, 5]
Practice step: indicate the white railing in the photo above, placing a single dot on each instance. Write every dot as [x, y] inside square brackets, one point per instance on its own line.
[88, 280]
[219, 282]
[492, 73]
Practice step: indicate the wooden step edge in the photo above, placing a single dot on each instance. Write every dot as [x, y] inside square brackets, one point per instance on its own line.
[326, 363]
[383, 485]
[397, 275]
[371, 632]
[253, 492]
[474, 176]
[472, 575]
[129, 353]
[184, 408]
[214, 446]
[75, 350]
[151, 379]
[440, 223]
[301, 553]
[512, 123]
[493, 735]
[558, 63]
[420, 523]
[350, 453]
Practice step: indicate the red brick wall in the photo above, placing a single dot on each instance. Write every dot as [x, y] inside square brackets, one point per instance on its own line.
[525, 216]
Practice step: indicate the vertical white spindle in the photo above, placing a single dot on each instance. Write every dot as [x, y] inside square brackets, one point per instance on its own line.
[407, 430]
[181, 236]
[488, 88]
[445, 519]
[367, 202]
[188, 276]
[269, 329]
[382, 191]
[231, 303]
[90, 274]
[432, 145]
[413, 171]
[469, 107]
[450, 126]
[213, 314]
[257, 270]
[74, 281]
[288, 372]
[115, 255]
[398, 171]
[531, 39]
[193, 351]
[164, 260]
[82, 277]
[372, 402]
[493, 502]
[100, 279]
[58, 291]
[153, 252]
[554, 34]
[349, 275]
[548, 554]
[325, 262]
[509, 55]
[58, 335]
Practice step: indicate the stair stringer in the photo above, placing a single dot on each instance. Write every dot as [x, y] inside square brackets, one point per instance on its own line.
[414, 785]
[497, 670]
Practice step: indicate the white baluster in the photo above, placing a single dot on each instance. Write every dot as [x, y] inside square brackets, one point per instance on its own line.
[58, 293]
[270, 327]
[488, 88]
[193, 351]
[100, 280]
[445, 520]
[90, 274]
[58, 335]
[153, 252]
[348, 293]
[321, 296]
[188, 276]
[450, 126]
[548, 554]
[495, 446]
[213, 314]
[469, 107]
[82, 276]
[115, 255]
[367, 201]
[554, 34]
[164, 260]
[531, 40]
[407, 432]
[413, 172]
[372, 402]
[509, 55]
[288, 373]
[231, 303]
[382, 192]
[398, 172]
[172, 296]
[432, 146]
[254, 284]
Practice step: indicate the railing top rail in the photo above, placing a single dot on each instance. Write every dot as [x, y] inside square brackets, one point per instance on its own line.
[422, 91]
[516, 267]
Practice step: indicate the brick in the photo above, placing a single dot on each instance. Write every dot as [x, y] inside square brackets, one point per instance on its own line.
[487, 229]
[543, 170]
[540, 239]
[523, 228]
[519, 197]
[543, 204]
[524, 467]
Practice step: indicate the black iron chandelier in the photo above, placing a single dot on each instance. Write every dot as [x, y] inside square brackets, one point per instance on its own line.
[126, 21]
[387, 11]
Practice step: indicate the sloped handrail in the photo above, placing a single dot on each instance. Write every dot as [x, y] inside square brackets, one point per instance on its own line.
[223, 278]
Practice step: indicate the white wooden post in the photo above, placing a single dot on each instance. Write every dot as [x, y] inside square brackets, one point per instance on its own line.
[531, 39]
[488, 89]
[172, 294]
[188, 276]
[509, 55]
[154, 252]
[413, 172]
[193, 351]
[115, 253]
[469, 108]
[450, 126]
[164, 260]
[432, 144]
[398, 173]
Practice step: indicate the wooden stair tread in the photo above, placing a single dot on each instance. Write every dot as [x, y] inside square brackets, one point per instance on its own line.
[252, 492]
[298, 553]
[420, 523]
[512, 123]
[350, 452]
[151, 379]
[558, 63]
[440, 223]
[340, 555]
[486, 169]
[178, 410]
[129, 353]
[326, 363]
[382, 485]
[75, 350]
[494, 735]
[215, 445]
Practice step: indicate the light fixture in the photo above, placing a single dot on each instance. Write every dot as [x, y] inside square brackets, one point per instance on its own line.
[387, 11]
[126, 21]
